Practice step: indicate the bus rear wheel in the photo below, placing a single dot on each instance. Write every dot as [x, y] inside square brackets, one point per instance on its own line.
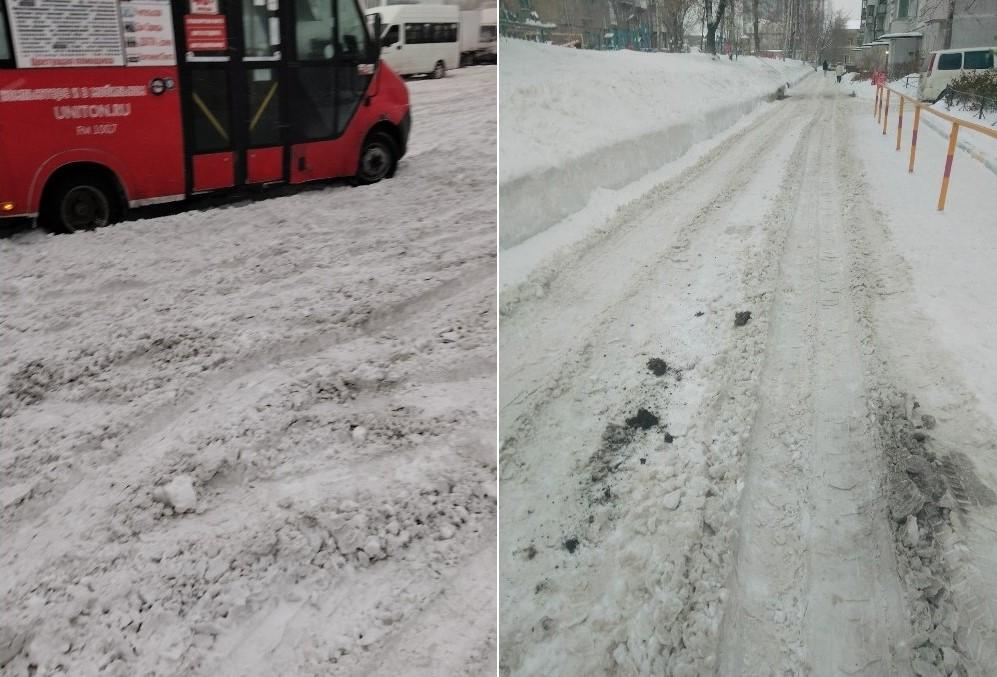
[77, 203]
[439, 70]
[378, 158]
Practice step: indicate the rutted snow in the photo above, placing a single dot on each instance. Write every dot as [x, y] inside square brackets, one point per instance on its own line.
[763, 525]
[258, 440]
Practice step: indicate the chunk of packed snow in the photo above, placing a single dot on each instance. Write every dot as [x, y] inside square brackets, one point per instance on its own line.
[179, 494]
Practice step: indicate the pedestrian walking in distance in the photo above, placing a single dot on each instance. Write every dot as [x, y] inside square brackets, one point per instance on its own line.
[839, 70]
[825, 67]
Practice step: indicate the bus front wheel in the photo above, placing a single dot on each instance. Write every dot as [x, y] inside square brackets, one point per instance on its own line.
[378, 158]
[439, 70]
[77, 203]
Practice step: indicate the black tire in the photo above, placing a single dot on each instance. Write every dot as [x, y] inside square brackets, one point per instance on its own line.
[378, 159]
[439, 70]
[78, 202]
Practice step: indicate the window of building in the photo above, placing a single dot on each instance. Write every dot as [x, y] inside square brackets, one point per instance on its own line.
[902, 9]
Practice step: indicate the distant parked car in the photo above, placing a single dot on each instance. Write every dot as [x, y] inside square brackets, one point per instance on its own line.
[943, 66]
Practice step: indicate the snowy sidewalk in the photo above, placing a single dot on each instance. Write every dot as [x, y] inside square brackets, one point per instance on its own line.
[258, 440]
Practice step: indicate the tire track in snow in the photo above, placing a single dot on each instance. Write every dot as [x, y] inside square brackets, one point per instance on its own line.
[814, 589]
[534, 333]
[146, 429]
[613, 607]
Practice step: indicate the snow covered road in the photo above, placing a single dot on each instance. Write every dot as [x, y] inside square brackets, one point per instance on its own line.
[684, 494]
[259, 440]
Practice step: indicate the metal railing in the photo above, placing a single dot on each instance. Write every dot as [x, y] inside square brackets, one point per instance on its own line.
[882, 113]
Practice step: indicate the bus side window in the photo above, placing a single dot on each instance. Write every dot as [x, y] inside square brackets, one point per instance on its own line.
[979, 60]
[256, 27]
[314, 26]
[390, 36]
[352, 31]
[211, 124]
[950, 62]
[5, 51]
[413, 34]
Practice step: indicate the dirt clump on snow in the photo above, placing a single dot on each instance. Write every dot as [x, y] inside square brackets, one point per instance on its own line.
[657, 366]
[644, 420]
[741, 318]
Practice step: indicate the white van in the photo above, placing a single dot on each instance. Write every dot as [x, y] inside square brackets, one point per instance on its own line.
[418, 39]
[943, 66]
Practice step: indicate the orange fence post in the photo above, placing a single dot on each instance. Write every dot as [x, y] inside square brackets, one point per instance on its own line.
[900, 121]
[948, 166]
[875, 104]
[886, 112]
[879, 105]
[913, 137]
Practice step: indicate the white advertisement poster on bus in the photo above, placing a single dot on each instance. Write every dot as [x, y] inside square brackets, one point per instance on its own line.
[54, 33]
[148, 32]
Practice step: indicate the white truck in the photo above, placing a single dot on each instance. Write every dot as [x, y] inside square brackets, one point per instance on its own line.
[478, 38]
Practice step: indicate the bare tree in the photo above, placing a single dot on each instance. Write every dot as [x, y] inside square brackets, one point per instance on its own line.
[754, 25]
[673, 15]
[712, 21]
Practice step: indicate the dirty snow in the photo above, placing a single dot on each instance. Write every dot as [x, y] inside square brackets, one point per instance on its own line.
[816, 494]
[259, 440]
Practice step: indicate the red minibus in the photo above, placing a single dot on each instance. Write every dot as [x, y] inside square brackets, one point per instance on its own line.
[111, 104]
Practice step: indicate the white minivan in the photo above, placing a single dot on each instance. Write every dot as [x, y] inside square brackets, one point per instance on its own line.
[417, 39]
[943, 66]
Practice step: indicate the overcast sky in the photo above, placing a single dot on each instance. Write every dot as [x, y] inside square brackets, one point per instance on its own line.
[851, 8]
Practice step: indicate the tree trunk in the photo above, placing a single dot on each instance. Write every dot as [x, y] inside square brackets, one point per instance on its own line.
[754, 20]
[947, 44]
[711, 25]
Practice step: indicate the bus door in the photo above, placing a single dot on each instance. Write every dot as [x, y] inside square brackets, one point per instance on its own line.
[231, 73]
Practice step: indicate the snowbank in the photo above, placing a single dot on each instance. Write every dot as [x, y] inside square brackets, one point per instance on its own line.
[573, 121]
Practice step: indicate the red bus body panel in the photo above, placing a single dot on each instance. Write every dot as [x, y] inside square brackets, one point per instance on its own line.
[64, 115]
[264, 164]
[213, 171]
[389, 102]
[47, 121]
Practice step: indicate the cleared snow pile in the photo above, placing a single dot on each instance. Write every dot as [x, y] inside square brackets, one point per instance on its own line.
[573, 121]
[258, 440]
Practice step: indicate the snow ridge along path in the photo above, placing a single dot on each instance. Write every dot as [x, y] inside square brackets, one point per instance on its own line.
[684, 495]
[317, 372]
